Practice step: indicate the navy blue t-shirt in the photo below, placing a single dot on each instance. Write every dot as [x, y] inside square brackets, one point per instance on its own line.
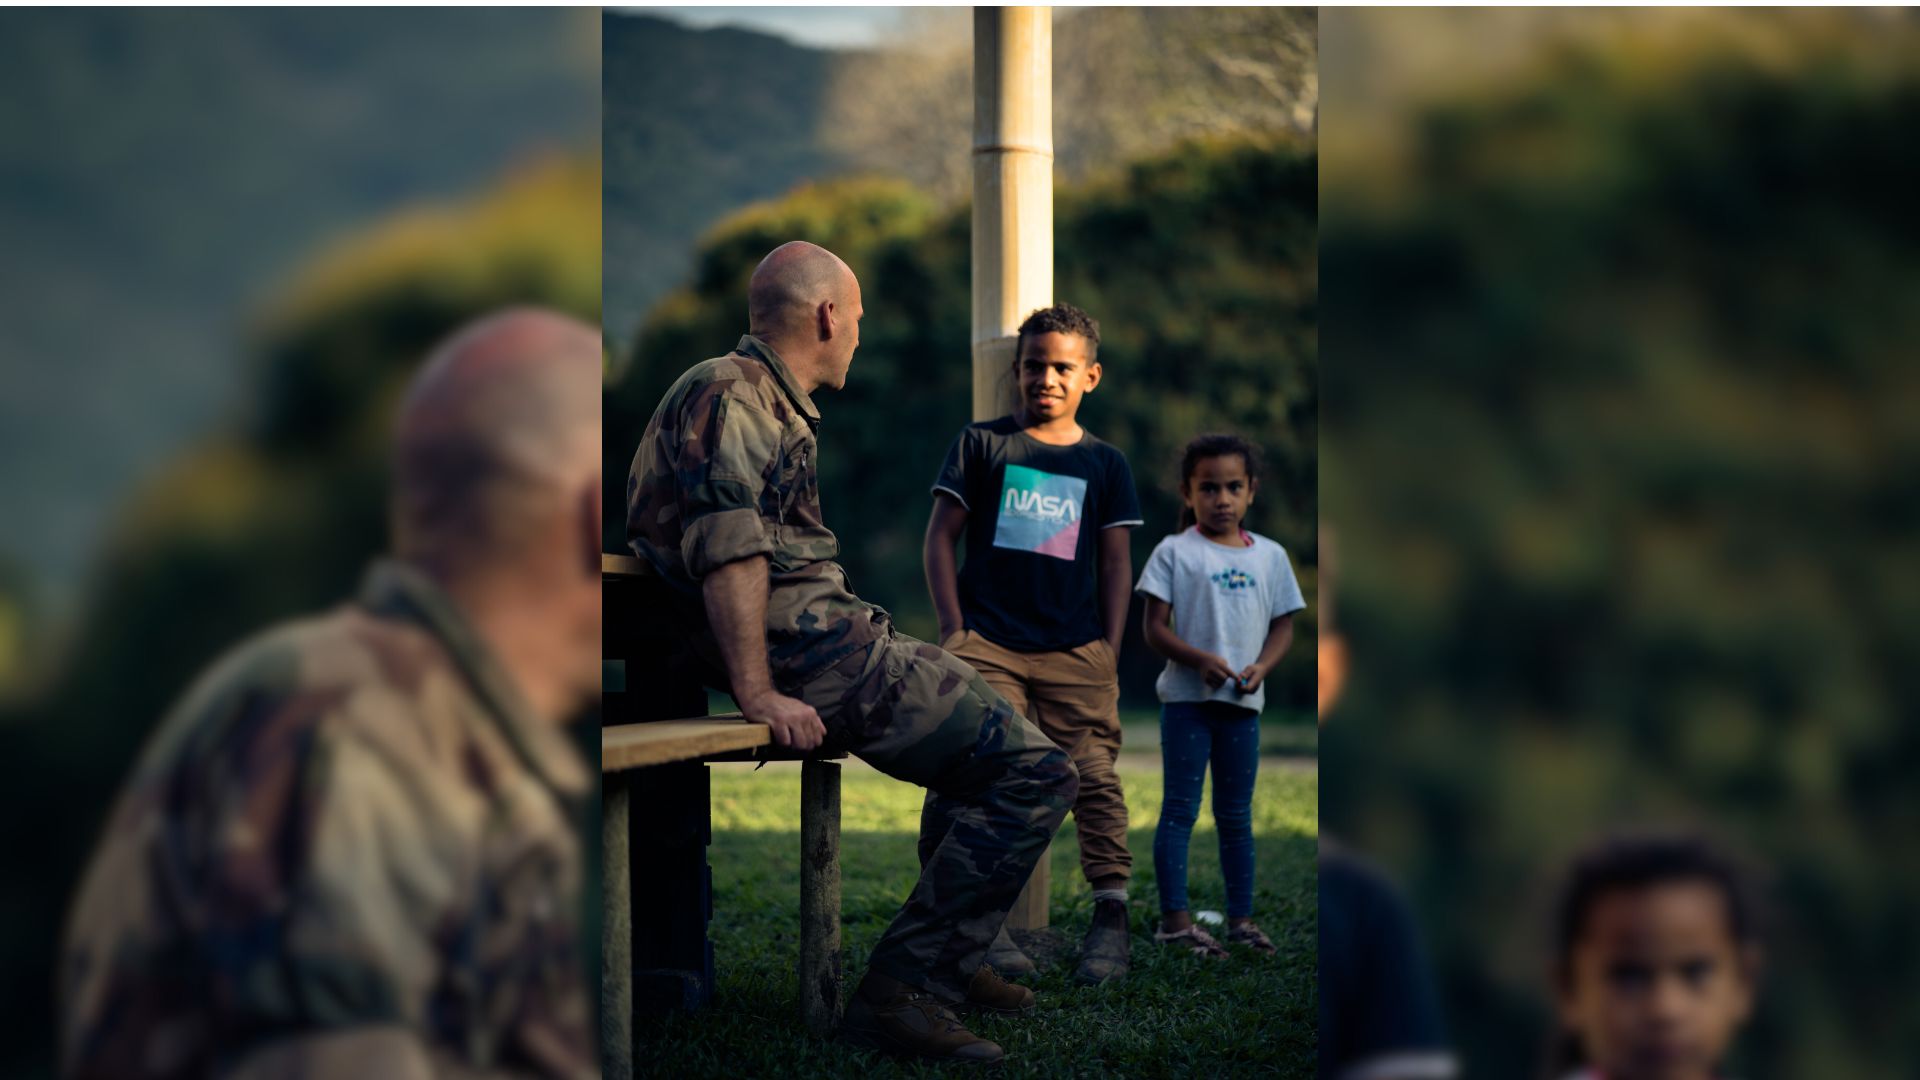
[1034, 512]
[1377, 999]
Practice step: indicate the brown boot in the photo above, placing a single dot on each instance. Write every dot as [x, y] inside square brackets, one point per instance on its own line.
[890, 1016]
[1104, 956]
[991, 993]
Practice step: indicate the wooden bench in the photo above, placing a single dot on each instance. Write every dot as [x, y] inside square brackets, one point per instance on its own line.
[654, 748]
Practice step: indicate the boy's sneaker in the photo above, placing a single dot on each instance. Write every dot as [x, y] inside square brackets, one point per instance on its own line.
[992, 993]
[1006, 958]
[888, 1015]
[1104, 956]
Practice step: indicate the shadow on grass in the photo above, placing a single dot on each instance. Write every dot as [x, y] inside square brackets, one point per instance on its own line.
[1173, 1015]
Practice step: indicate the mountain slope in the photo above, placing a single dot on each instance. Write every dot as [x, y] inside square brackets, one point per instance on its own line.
[697, 122]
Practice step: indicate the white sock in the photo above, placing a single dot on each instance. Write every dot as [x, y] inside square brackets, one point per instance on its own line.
[1110, 894]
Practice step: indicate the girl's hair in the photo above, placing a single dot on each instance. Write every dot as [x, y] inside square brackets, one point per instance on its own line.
[1208, 446]
[1635, 861]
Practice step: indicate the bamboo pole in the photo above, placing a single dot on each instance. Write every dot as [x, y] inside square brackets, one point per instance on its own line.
[1012, 235]
[1012, 190]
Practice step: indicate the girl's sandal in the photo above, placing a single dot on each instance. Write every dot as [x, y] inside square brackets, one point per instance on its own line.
[1194, 938]
[1250, 936]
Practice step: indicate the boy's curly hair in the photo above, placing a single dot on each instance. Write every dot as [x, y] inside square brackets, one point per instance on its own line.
[1060, 319]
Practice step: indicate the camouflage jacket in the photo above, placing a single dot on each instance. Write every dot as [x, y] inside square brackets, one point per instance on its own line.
[725, 471]
[349, 850]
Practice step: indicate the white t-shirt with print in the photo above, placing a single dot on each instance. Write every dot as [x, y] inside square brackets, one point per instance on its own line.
[1223, 599]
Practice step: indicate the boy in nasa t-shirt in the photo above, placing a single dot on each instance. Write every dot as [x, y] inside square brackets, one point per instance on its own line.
[1046, 510]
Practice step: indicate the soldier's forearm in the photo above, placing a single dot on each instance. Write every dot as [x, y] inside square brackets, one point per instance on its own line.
[736, 602]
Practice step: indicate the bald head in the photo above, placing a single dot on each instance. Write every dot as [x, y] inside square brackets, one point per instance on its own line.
[498, 433]
[805, 303]
[789, 286]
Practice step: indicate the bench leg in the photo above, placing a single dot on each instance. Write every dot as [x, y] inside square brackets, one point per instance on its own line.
[1030, 910]
[616, 932]
[820, 896]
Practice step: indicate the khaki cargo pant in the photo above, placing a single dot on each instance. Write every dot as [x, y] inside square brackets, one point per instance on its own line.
[997, 790]
[1074, 697]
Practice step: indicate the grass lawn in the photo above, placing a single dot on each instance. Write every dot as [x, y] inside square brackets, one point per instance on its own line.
[1173, 1016]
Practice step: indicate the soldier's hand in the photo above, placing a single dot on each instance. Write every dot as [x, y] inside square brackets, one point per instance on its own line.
[794, 722]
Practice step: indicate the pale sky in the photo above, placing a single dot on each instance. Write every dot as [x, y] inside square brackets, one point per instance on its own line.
[821, 27]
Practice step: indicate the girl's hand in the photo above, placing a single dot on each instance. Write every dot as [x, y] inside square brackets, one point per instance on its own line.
[1217, 672]
[1249, 680]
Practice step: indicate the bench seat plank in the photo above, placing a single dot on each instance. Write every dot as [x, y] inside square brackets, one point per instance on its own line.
[624, 566]
[634, 746]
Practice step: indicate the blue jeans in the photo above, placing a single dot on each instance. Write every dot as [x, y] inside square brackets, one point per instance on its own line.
[1191, 732]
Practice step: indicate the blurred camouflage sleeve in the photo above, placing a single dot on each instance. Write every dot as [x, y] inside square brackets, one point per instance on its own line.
[365, 941]
[358, 942]
[364, 1053]
[341, 855]
[730, 449]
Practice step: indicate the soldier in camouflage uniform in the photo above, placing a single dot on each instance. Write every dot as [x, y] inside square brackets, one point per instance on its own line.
[723, 500]
[351, 849]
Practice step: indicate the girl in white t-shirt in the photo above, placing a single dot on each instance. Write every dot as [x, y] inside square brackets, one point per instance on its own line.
[1219, 607]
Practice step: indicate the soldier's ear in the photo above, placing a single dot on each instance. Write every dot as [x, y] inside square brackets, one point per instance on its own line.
[826, 314]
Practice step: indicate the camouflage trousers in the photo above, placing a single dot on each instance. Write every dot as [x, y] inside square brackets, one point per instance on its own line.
[997, 791]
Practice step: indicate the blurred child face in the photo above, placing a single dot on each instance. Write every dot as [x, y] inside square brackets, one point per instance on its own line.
[1333, 670]
[1054, 373]
[1219, 492]
[1656, 985]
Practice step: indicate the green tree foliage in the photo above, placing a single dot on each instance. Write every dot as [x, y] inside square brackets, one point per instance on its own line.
[17, 621]
[1622, 448]
[274, 516]
[700, 122]
[1199, 264]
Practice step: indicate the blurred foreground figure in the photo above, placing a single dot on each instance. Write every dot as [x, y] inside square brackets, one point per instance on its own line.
[1379, 1013]
[349, 851]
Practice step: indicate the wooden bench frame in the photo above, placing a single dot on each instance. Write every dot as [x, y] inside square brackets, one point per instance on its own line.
[654, 750]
